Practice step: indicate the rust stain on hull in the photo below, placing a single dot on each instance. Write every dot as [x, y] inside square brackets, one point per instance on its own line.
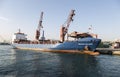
[63, 51]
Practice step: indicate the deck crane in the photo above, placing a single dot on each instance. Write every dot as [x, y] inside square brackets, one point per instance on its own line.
[40, 26]
[65, 26]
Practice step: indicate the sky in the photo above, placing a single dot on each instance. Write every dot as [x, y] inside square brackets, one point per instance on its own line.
[103, 15]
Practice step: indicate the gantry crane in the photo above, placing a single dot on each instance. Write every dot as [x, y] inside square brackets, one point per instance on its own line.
[40, 26]
[65, 26]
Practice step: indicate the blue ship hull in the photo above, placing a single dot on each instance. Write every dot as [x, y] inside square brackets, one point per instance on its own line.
[80, 44]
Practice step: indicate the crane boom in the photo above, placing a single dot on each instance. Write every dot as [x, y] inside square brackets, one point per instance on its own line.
[65, 26]
[39, 27]
[70, 18]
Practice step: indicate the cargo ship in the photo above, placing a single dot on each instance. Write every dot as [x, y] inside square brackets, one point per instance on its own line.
[81, 41]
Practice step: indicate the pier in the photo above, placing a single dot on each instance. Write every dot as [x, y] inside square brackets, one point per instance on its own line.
[110, 51]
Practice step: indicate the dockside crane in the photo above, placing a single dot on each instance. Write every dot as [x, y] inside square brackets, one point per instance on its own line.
[65, 26]
[40, 26]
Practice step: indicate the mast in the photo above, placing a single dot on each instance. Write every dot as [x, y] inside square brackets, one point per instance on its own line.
[91, 33]
[43, 37]
[65, 26]
[39, 27]
[90, 29]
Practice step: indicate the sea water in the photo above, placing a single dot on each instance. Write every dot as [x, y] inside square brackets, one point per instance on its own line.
[29, 63]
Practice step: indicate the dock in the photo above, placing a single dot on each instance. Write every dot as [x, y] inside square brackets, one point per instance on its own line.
[110, 51]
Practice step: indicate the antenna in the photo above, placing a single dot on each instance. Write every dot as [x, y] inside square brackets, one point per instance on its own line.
[19, 31]
[90, 29]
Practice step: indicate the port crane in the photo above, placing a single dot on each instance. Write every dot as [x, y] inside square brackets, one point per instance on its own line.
[65, 26]
[40, 26]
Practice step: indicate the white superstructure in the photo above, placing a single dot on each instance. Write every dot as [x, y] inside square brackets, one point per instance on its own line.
[18, 36]
[20, 41]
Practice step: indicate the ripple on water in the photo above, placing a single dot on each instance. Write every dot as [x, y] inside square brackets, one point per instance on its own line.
[27, 63]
